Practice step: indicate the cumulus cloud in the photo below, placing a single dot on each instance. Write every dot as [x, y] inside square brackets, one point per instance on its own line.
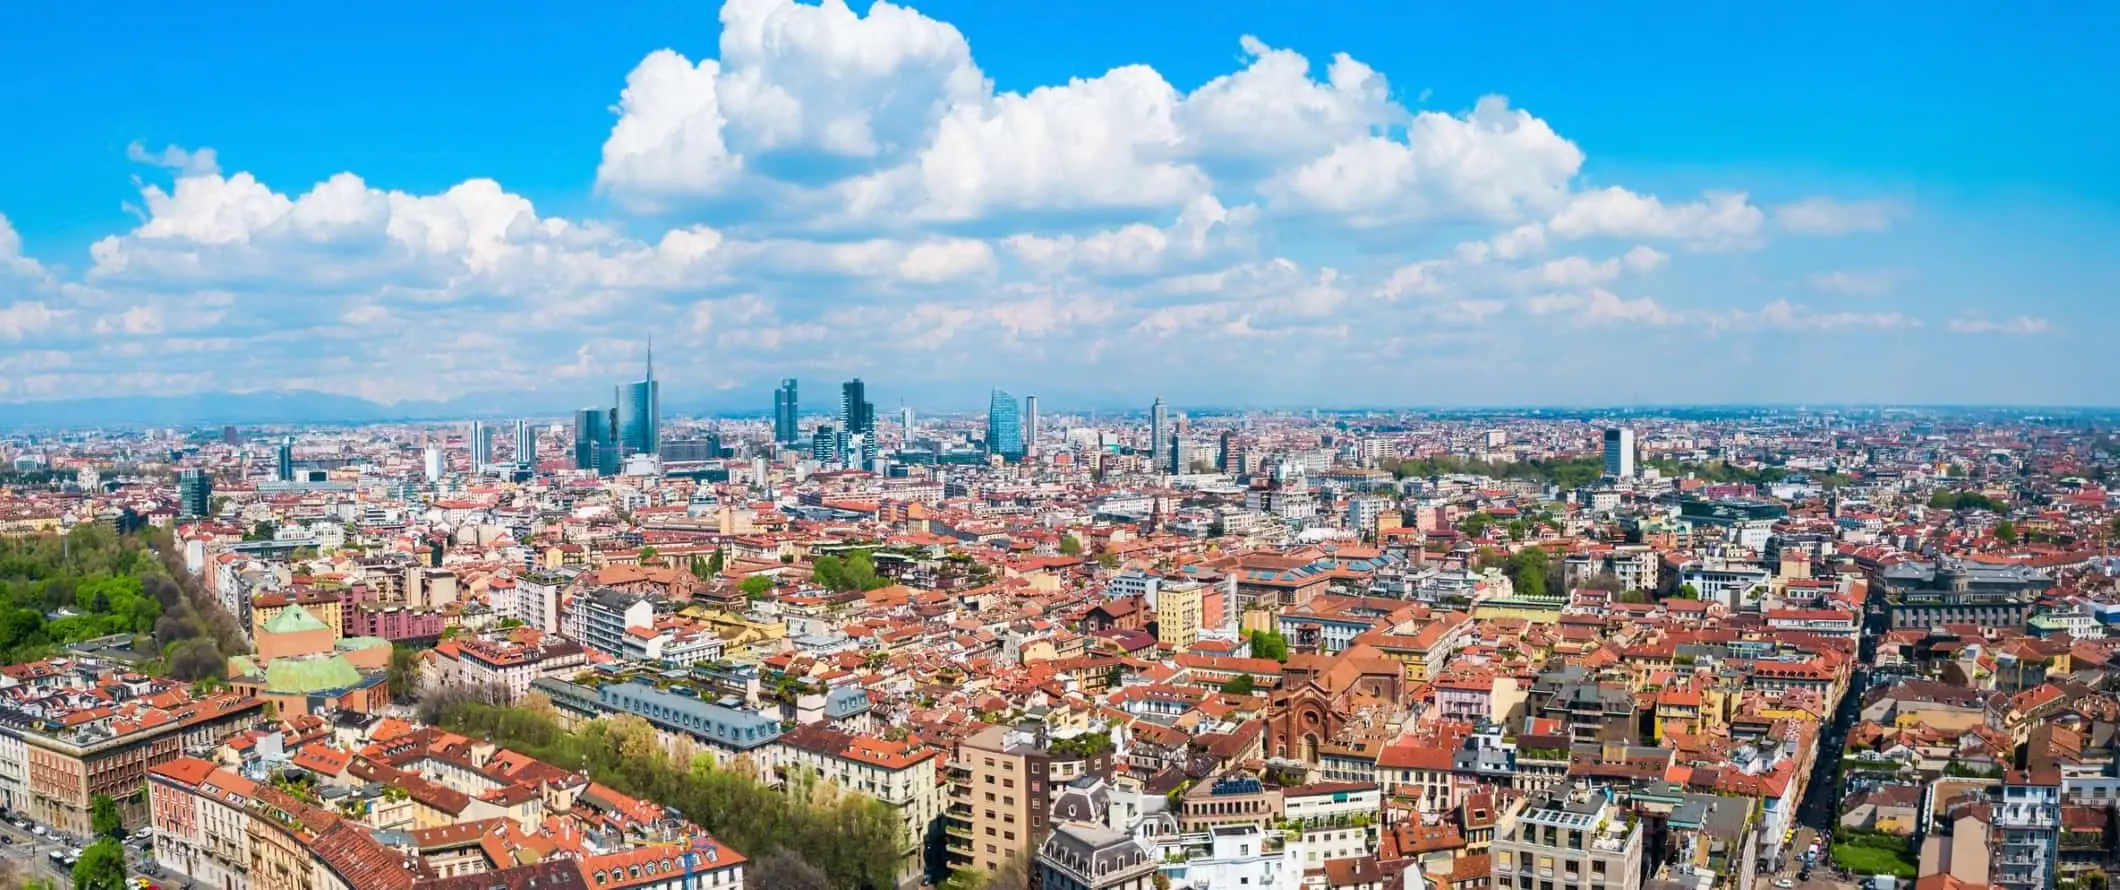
[829, 170]
[1827, 216]
[1494, 163]
[1719, 221]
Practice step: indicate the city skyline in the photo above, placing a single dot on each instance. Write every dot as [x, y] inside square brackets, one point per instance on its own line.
[1394, 225]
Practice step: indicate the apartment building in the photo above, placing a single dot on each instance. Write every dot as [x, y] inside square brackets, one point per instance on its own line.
[1083, 856]
[902, 775]
[1002, 783]
[1576, 838]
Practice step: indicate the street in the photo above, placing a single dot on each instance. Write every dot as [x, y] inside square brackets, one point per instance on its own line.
[30, 855]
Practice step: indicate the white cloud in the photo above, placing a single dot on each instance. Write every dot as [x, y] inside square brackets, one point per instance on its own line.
[1272, 110]
[1828, 216]
[174, 157]
[1719, 221]
[1787, 316]
[668, 141]
[22, 319]
[1860, 282]
[1203, 229]
[2022, 324]
[1494, 163]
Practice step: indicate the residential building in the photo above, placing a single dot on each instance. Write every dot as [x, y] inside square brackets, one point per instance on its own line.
[2025, 833]
[1179, 613]
[600, 619]
[1568, 839]
[1085, 856]
[900, 774]
[1619, 453]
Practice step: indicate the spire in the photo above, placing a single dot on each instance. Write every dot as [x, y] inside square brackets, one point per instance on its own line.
[651, 359]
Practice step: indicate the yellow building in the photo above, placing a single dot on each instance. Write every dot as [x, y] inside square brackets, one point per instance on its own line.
[1178, 616]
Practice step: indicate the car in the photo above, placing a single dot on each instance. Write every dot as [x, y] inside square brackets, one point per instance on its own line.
[1784, 883]
[37, 830]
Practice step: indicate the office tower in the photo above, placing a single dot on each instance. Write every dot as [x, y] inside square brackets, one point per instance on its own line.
[595, 446]
[1230, 456]
[1619, 453]
[432, 460]
[1030, 425]
[194, 492]
[824, 445]
[283, 467]
[857, 417]
[481, 444]
[905, 423]
[1004, 428]
[229, 436]
[1158, 434]
[639, 421]
[525, 444]
[784, 412]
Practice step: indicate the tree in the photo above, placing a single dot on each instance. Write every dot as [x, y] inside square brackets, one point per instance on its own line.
[1268, 644]
[2006, 532]
[103, 818]
[781, 870]
[1687, 591]
[1070, 546]
[263, 531]
[102, 867]
[403, 678]
[649, 556]
[755, 586]
[1109, 560]
[1241, 684]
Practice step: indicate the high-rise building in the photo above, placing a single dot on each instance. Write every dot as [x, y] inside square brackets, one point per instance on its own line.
[1619, 453]
[1159, 434]
[229, 436]
[481, 444]
[785, 412]
[857, 416]
[1004, 429]
[905, 424]
[194, 492]
[283, 466]
[595, 446]
[525, 444]
[824, 445]
[1030, 425]
[638, 425]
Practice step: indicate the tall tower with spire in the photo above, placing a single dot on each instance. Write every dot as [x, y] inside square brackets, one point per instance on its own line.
[640, 412]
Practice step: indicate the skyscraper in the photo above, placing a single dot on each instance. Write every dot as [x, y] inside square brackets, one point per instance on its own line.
[1159, 434]
[283, 465]
[595, 447]
[639, 422]
[824, 445]
[194, 492]
[432, 461]
[784, 412]
[1619, 453]
[525, 444]
[1004, 429]
[858, 417]
[481, 444]
[1030, 425]
[905, 424]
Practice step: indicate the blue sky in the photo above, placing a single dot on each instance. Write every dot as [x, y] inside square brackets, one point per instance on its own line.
[1092, 200]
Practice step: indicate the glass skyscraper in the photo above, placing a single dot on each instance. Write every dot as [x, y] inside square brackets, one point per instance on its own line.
[1004, 426]
[784, 412]
[595, 446]
[194, 492]
[525, 444]
[640, 413]
[283, 465]
[858, 417]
